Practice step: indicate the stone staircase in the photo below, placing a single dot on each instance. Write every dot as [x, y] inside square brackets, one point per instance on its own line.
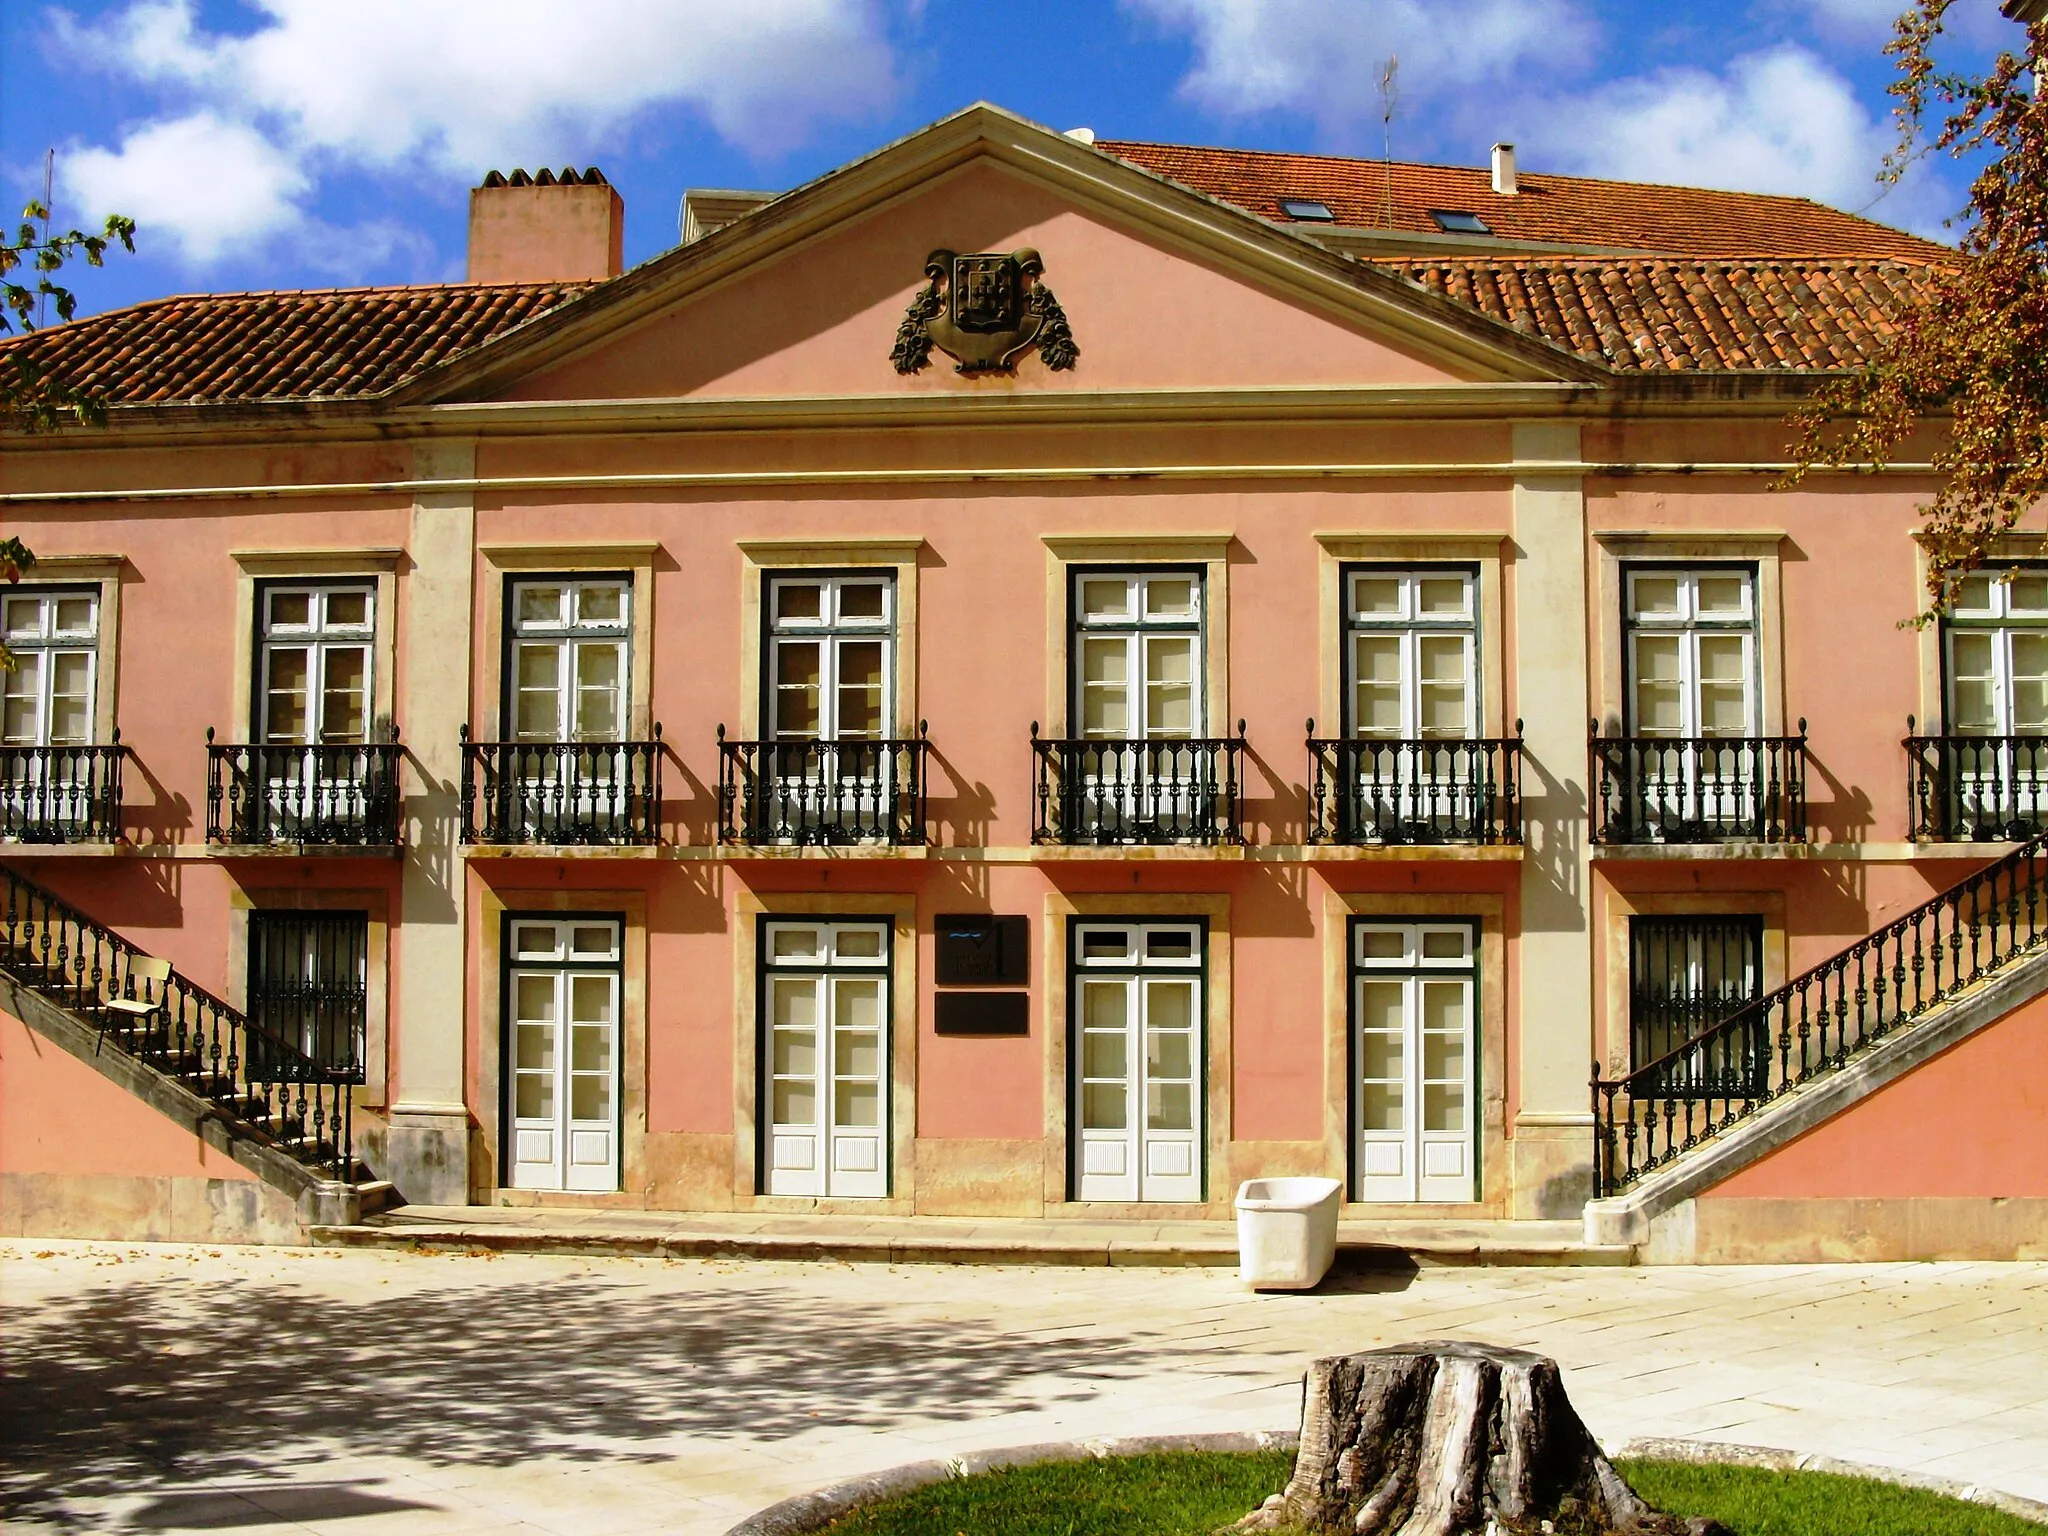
[192, 1058]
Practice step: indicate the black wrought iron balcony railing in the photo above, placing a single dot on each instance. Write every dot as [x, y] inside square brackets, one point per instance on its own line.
[1393, 792]
[61, 794]
[1120, 791]
[331, 796]
[1976, 789]
[561, 792]
[822, 793]
[1699, 789]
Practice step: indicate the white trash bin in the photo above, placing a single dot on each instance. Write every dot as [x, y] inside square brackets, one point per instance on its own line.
[1286, 1232]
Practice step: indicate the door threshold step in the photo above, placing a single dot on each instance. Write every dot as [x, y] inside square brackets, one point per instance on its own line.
[942, 1240]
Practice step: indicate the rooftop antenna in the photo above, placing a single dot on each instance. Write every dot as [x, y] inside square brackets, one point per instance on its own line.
[1390, 99]
[49, 187]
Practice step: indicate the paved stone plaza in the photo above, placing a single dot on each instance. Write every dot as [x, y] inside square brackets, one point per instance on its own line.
[384, 1394]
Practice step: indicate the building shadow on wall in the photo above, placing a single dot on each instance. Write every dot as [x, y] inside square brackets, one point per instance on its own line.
[145, 1385]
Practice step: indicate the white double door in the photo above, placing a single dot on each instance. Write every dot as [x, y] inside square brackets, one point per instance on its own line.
[562, 990]
[1413, 987]
[825, 1058]
[1138, 1045]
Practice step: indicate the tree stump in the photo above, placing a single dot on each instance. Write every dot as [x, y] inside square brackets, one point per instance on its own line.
[1452, 1439]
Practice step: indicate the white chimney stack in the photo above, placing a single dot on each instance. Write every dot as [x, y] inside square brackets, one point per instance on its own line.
[1504, 169]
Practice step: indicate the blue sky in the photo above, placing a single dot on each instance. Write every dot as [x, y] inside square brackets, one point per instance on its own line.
[318, 143]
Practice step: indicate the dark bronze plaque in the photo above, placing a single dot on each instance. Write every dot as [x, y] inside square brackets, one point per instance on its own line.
[984, 310]
[977, 950]
[982, 1013]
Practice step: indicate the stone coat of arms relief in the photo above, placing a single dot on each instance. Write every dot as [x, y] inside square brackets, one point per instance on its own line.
[984, 311]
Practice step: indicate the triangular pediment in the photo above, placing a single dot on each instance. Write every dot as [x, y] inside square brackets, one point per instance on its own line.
[1162, 290]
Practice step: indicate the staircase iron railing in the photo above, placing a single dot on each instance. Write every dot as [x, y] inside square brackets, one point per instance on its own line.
[61, 794]
[829, 793]
[337, 796]
[269, 1085]
[1379, 791]
[1817, 1022]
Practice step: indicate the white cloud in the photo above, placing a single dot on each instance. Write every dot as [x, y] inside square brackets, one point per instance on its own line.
[464, 85]
[1776, 121]
[210, 184]
[1324, 57]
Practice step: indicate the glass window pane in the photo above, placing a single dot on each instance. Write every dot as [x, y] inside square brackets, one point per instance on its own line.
[25, 618]
[1443, 1107]
[1446, 943]
[600, 605]
[291, 610]
[861, 600]
[1972, 698]
[1653, 597]
[863, 943]
[348, 610]
[2029, 683]
[1381, 1057]
[533, 999]
[1169, 1005]
[590, 1048]
[1169, 944]
[857, 1053]
[794, 1101]
[860, 689]
[596, 940]
[1105, 702]
[1443, 1005]
[539, 605]
[799, 667]
[1170, 597]
[794, 943]
[1441, 597]
[2027, 592]
[534, 1049]
[590, 999]
[857, 1105]
[1169, 690]
[23, 717]
[535, 1096]
[1170, 1055]
[858, 1002]
[793, 1053]
[345, 701]
[534, 939]
[70, 721]
[1382, 1006]
[1105, 943]
[799, 601]
[1103, 1053]
[286, 700]
[1379, 1107]
[1659, 710]
[1723, 595]
[1169, 1106]
[1974, 594]
[1104, 1106]
[1105, 1005]
[74, 615]
[1105, 597]
[590, 1096]
[1377, 597]
[793, 1004]
[1382, 944]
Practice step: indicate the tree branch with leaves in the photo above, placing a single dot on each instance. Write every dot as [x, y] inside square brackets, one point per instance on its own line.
[1972, 354]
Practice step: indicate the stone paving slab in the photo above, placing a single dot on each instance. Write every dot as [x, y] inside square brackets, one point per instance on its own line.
[380, 1393]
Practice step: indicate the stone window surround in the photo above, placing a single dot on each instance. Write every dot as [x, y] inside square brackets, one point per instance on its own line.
[242, 900]
[505, 563]
[1932, 717]
[379, 567]
[785, 557]
[1611, 1030]
[104, 573]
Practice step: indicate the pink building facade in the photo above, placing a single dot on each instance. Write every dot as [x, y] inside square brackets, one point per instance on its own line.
[669, 750]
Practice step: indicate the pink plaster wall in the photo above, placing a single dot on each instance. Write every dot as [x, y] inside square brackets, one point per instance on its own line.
[1971, 1123]
[47, 1094]
[822, 319]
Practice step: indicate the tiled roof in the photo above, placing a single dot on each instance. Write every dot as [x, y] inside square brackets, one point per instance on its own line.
[1571, 210]
[1651, 315]
[293, 345]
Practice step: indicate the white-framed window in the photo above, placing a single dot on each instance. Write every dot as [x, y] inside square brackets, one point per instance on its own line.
[569, 658]
[1137, 654]
[1414, 1013]
[831, 639]
[564, 981]
[50, 697]
[1411, 656]
[1996, 643]
[315, 649]
[1137, 1059]
[1692, 650]
[825, 1054]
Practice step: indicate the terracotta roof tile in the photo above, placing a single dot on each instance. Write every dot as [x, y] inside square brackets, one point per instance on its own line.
[292, 345]
[1659, 315]
[1569, 210]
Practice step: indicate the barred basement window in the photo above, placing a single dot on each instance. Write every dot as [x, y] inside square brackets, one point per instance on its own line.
[308, 987]
[1687, 974]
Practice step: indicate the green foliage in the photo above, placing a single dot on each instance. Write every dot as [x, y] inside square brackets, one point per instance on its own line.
[1752, 1501]
[1181, 1494]
[29, 264]
[1973, 353]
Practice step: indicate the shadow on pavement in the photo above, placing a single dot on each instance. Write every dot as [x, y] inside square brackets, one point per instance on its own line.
[223, 1508]
[176, 1381]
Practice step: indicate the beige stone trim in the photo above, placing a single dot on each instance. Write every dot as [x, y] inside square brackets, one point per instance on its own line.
[1492, 1140]
[502, 562]
[104, 572]
[1762, 548]
[1932, 717]
[486, 1170]
[379, 567]
[1617, 907]
[898, 555]
[1060, 906]
[243, 899]
[1211, 551]
[1338, 550]
[901, 910]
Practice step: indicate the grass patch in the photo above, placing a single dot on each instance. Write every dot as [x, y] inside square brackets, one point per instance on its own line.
[1753, 1501]
[1178, 1493]
[1192, 1493]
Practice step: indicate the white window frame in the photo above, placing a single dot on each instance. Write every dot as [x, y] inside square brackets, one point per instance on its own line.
[1135, 629]
[826, 1140]
[1690, 626]
[48, 642]
[569, 633]
[2002, 616]
[829, 631]
[562, 962]
[1410, 625]
[1117, 1164]
[321, 638]
[1413, 1163]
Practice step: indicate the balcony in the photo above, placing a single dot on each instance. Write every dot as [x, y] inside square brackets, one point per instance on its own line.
[1981, 789]
[1699, 789]
[821, 793]
[1138, 792]
[303, 796]
[61, 794]
[1394, 793]
[558, 793]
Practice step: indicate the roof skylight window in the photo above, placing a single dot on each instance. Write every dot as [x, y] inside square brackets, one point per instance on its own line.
[1458, 221]
[1307, 208]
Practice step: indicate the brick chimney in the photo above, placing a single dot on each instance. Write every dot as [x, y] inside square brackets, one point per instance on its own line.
[546, 228]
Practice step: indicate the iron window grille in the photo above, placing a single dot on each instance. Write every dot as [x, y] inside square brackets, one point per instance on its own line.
[309, 987]
[1686, 976]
